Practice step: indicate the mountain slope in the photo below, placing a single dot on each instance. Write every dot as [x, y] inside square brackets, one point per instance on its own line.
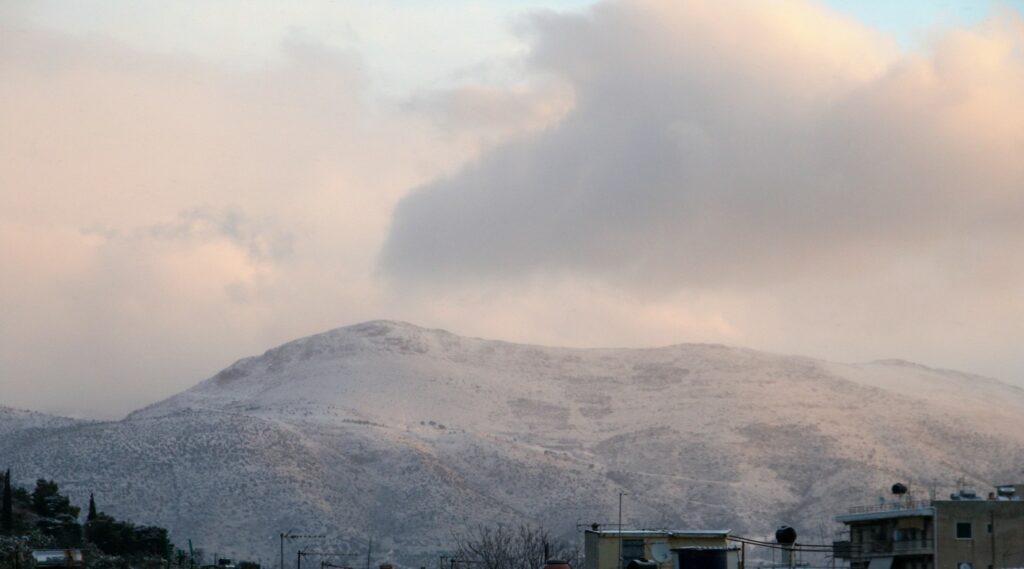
[403, 434]
[13, 420]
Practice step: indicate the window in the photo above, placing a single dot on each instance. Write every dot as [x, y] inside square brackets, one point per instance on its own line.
[964, 530]
[632, 549]
[906, 535]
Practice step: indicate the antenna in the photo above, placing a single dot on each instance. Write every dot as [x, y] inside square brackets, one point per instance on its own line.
[289, 535]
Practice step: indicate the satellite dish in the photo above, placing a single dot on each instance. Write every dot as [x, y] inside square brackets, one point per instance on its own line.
[660, 552]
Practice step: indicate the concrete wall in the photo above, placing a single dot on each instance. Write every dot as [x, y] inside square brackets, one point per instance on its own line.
[601, 551]
[1000, 548]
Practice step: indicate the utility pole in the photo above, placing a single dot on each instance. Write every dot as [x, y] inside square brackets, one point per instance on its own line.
[620, 514]
[620, 529]
[369, 550]
[992, 533]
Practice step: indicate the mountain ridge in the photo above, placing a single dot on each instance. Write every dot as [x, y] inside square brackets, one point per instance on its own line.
[373, 430]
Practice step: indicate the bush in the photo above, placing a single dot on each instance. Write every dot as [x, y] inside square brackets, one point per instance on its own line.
[504, 547]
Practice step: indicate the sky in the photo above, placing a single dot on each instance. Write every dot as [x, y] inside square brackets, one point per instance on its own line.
[186, 184]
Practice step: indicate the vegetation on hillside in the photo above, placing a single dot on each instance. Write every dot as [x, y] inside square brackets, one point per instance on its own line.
[507, 547]
[45, 519]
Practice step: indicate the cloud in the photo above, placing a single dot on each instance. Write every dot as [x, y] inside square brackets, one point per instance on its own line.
[162, 215]
[257, 237]
[732, 145]
[775, 176]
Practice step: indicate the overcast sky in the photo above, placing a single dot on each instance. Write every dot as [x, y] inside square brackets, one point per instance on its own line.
[185, 184]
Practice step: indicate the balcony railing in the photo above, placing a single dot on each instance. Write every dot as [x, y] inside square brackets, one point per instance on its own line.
[847, 550]
[892, 506]
[913, 547]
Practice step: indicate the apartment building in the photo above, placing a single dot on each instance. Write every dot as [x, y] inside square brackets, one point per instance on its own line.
[966, 531]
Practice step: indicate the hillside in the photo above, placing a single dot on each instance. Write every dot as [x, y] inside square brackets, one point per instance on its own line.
[19, 421]
[404, 434]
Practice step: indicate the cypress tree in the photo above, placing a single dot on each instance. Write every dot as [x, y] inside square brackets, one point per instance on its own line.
[92, 509]
[7, 509]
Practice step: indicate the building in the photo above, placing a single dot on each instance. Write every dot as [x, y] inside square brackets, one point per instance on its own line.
[614, 549]
[58, 558]
[962, 532]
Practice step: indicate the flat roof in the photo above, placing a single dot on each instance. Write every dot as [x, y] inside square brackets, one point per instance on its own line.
[927, 511]
[707, 548]
[663, 532]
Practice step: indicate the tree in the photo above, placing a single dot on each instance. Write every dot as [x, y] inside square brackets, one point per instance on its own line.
[48, 502]
[105, 532]
[125, 538]
[57, 517]
[504, 547]
[92, 509]
[7, 509]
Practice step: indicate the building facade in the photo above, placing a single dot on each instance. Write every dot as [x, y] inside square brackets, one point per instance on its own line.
[963, 532]
[614, 549]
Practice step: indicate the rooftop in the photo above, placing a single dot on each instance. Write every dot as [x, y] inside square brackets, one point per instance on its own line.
[888, 510]
[904, 506]
[708, 548]
[662, 532]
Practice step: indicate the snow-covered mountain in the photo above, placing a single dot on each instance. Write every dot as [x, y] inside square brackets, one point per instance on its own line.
[404, 434]
[20, 422]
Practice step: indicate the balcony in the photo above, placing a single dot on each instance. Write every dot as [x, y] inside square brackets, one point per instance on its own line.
[867, 549]
[916, 547]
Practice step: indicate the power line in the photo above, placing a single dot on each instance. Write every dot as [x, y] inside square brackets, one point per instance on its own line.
[810, 547]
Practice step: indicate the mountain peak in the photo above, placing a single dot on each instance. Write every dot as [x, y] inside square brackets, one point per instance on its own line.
[381, 327]
[384, 323]
[386, 335]
[310, 370]
[354, 370]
